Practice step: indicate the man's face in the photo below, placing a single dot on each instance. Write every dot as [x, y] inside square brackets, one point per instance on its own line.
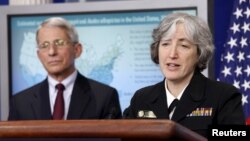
[56, 52]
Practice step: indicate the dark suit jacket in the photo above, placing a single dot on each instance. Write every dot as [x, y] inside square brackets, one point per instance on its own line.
[90, 100]
[223, 99]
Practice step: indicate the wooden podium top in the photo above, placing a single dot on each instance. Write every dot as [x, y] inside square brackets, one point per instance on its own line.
[128, 129]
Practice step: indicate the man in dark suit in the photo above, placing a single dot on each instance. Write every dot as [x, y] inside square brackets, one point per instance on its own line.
[182, 46]
[81, 98]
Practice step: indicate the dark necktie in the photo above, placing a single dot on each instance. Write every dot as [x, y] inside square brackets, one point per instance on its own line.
[59, 103]
[173, 105]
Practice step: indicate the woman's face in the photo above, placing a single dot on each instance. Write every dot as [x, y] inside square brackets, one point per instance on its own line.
[178, 56]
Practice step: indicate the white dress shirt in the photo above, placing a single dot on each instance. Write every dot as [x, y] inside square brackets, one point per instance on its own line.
[170, 97]
[68, 84]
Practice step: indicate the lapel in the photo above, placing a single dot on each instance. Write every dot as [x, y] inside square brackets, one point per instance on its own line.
[192, 97]
[40, 103]
[157, 101]
[80, 97]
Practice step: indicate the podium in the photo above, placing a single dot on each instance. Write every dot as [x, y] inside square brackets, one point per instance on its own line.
[123, 129]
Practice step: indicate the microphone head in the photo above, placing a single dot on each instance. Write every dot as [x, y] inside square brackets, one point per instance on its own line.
[112, 113]
[126, 113]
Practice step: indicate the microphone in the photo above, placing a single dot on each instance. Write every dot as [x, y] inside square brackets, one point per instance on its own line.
[126, 113]
[112, 113]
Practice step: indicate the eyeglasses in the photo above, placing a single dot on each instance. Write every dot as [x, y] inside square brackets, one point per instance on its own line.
[58, 43]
